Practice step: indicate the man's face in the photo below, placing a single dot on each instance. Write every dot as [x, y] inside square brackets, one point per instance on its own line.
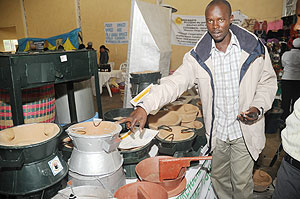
[102, 50]
[218, 20]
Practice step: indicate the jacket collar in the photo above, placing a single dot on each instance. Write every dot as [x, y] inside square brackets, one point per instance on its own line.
[247, 41]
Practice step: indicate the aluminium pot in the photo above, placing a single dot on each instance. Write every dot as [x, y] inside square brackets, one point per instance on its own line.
[83, 192]
[95, 163]
[17, 155]
[91, 137]
[110, 182]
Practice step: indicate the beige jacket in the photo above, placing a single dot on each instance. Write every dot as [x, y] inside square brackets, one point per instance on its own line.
[258, 85]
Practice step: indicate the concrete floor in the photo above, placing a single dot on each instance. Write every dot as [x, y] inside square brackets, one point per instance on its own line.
[271, 147]
[109, 103]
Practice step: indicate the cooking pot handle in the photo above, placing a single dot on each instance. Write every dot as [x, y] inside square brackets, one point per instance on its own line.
[166, 150]
[112, 144]
[13, 163]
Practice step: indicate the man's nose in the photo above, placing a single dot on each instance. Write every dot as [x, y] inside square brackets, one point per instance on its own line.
[215, 25]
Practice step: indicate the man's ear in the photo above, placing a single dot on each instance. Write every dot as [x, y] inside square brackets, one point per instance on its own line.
[231, 19]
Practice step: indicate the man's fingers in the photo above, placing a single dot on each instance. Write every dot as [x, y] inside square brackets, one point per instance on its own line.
[139, 115]
[134, 121]
[128, 119]
[142, 124]
[241, 117]
[244, 118]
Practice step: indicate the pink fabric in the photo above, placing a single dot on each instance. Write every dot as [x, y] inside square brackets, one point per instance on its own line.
[275, 25]
[261, 25]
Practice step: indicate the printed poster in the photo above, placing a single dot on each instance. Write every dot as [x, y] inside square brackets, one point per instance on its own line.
[116, 32]
[187, 30]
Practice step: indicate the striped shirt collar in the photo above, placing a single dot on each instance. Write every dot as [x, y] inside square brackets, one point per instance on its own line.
[233, 41]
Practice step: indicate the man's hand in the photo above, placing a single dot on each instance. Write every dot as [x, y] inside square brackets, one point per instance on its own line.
[139, 115]
[250, 116]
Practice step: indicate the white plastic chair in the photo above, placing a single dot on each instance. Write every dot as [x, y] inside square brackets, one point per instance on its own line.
[123, 68]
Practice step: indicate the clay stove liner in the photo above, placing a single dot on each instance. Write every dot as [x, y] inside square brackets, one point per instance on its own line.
[178, 136]
[261, 180]
[168, 118]
[148, 170]
[145, 190]
[195, 124]
[187, 112]
[28, 134]
[89, 129]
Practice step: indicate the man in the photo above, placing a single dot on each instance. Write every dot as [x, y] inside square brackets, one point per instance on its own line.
[103, 55]
[297, 25]
[288, 176]
[290, 81]
[235, 79]
[90, 46]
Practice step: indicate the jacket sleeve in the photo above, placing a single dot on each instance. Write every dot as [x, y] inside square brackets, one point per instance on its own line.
[106, 58]
[170, 87]
[267, 86]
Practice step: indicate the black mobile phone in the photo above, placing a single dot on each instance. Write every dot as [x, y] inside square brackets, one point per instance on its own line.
[252, 115]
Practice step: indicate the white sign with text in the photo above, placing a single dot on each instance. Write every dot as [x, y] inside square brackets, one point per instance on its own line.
[187, 30]
[116, 32]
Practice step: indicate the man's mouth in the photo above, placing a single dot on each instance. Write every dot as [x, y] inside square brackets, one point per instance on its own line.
[216, 33]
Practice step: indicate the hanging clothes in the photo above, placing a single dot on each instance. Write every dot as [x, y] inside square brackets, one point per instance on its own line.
[249, 24]
[275, 25]
[261, 25]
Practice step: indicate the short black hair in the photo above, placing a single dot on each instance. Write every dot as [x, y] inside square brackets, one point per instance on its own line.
[81, 46]
[226, 3]
[104, 47]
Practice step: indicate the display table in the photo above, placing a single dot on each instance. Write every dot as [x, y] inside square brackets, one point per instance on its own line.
[198, 181]
[20, 71]
[104, 78]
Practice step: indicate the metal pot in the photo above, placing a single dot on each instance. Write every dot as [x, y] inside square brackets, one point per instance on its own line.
[16, 156]
[83, 192]
[95, 163]
[87, 136]
[110, 182]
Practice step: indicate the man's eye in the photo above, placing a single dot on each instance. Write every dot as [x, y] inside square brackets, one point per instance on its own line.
[209, 21]
[221, 20]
